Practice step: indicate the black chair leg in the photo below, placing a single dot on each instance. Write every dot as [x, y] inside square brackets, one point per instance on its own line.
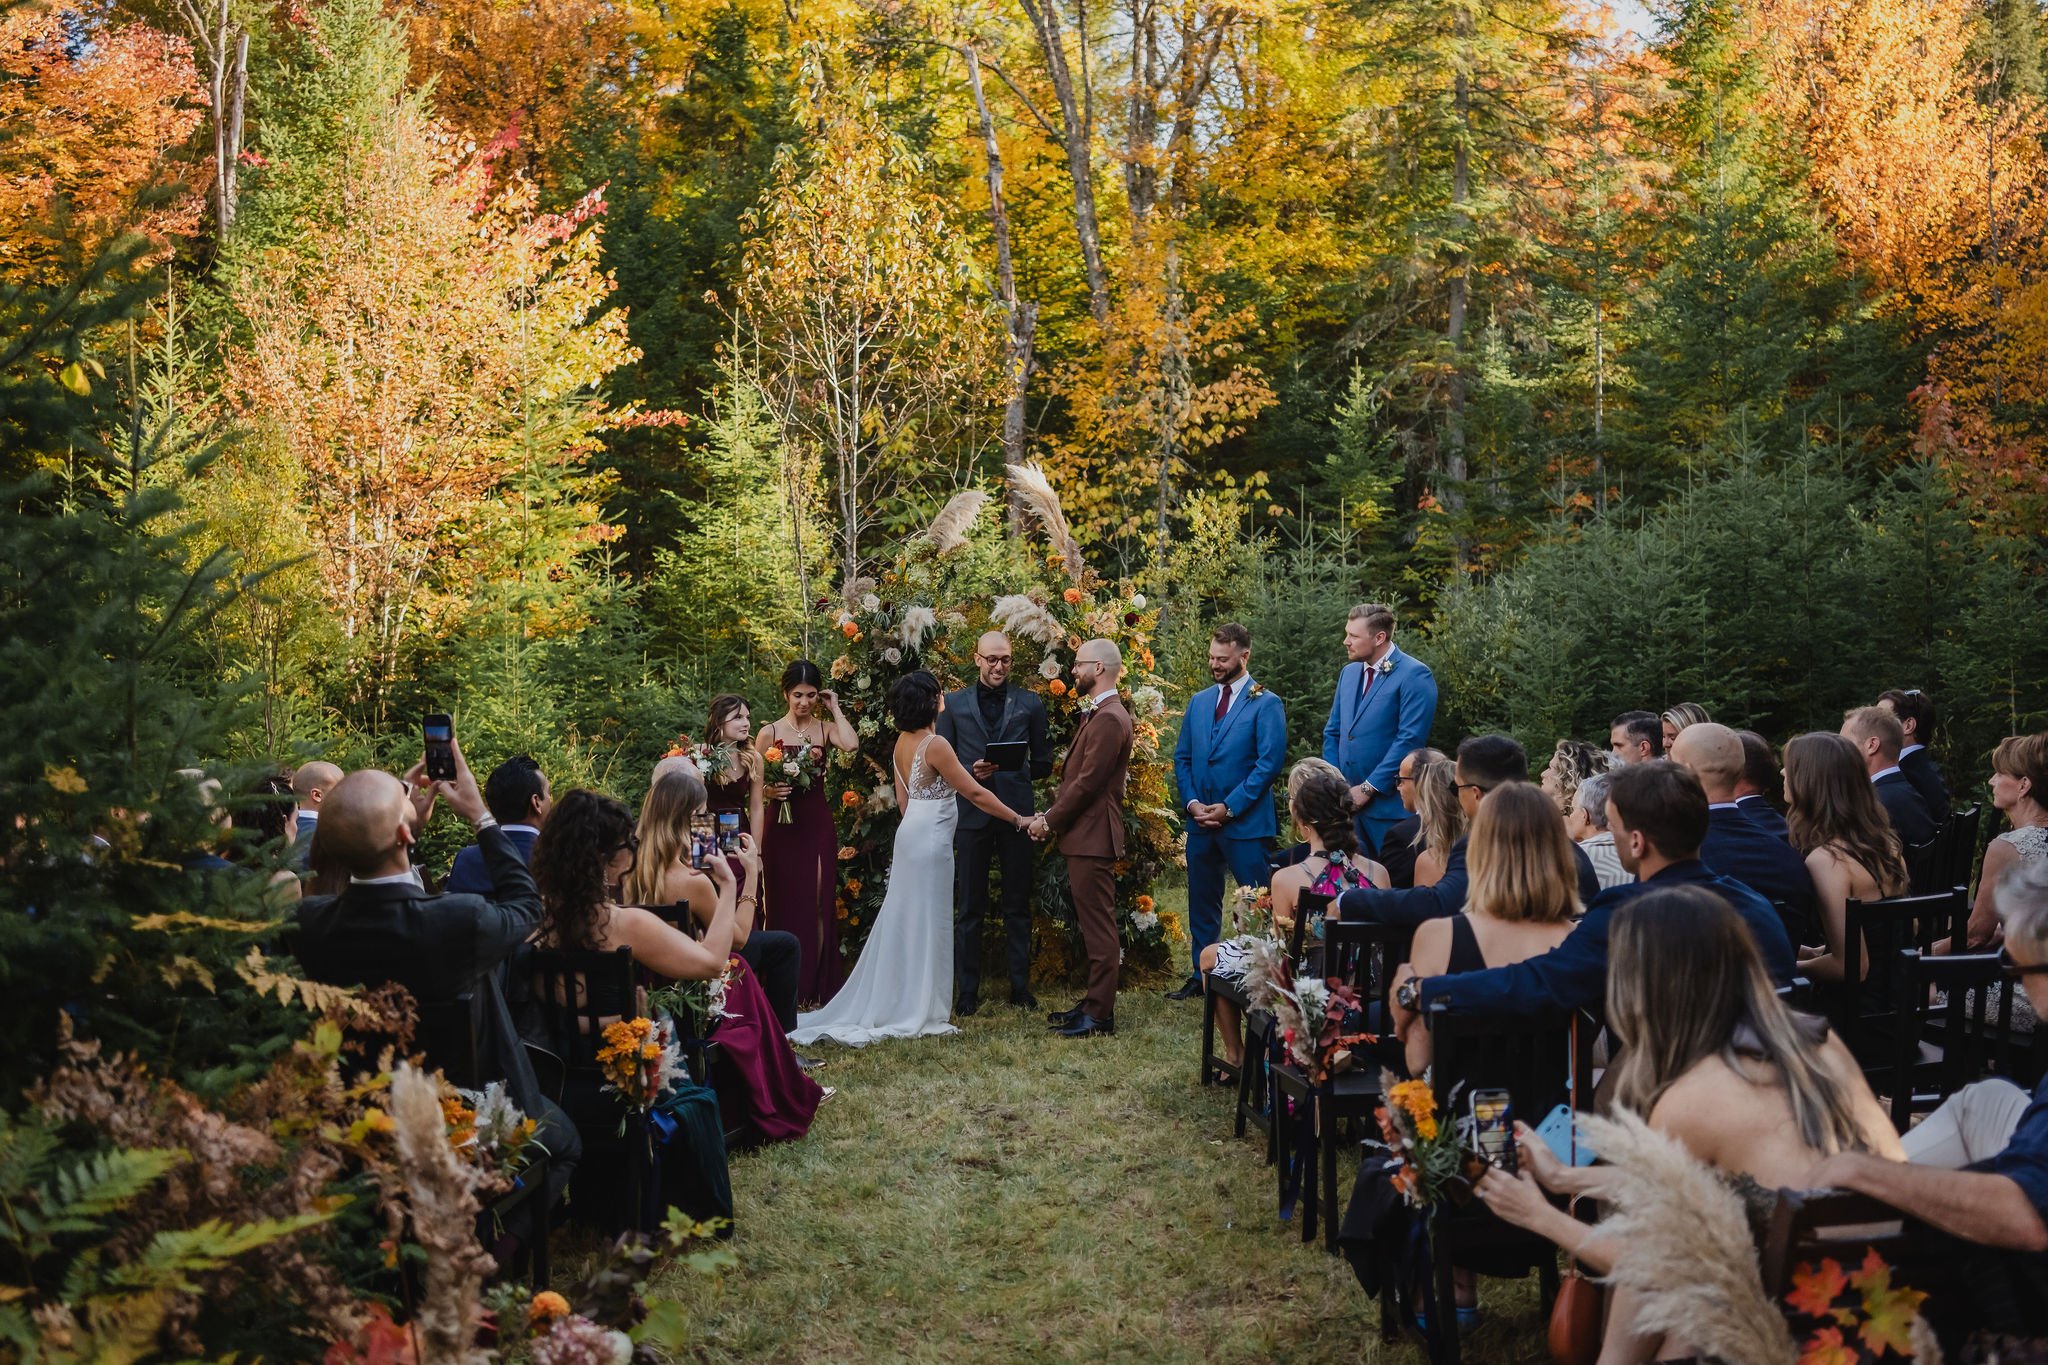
[1445, 1319]
[1244, 1088]
[1547, 1285]
[1276, 1144]
[1326, 1145]
[1209, 1076]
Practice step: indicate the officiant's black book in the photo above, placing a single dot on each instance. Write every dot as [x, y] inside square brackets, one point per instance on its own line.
[1009, 755]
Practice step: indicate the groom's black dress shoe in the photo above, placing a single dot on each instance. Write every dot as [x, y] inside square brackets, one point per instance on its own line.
[1087, 1026]
[1024, 1000]
[1191, 989]
[966, 1008]
[1063, 1018]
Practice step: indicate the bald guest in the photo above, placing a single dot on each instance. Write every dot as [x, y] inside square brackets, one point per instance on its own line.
[384, 926]
[1738, 846]
[310, 785]
[992, 712]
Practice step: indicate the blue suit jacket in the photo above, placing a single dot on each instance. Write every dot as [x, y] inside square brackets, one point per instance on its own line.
[1235, 762]
[1767, 817]
[1910, 818]
[1444, 897]
[1736, 846]
[1573, 975]
[1367, 742]
[470, 877]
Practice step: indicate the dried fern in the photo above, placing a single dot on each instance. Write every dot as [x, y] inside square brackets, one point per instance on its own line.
[1036, 497]
[948, 531]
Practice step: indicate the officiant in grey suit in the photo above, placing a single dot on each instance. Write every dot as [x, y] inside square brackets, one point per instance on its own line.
[993, 711]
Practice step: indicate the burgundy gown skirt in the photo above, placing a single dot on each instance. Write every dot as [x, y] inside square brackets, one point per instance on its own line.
[759, 1077]
[802, 875]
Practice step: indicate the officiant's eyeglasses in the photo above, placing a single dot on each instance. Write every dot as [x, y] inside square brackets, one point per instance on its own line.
[992, 658]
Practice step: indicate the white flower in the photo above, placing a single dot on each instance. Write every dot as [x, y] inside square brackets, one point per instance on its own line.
[918, 622]
[1050, 666]
[884, 798]
[892, 655]
[870, 602]
[1145, 919]
[792, 767]
[1148, 700]
[863, 682]
[845, 619]
[1137, 601]
[621, 1347]
[868, 728]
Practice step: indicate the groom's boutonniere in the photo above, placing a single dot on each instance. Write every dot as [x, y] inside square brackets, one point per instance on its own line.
[1085, 705]
[1257, 689]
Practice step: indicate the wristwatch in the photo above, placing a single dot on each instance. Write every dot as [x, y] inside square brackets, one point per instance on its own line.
[1409, 993]
[1228, 813]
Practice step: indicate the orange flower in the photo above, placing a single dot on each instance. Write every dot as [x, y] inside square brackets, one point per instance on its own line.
[850, 631]
[772, 754]
[1072, 596]
[1057, 688]
[1147, 657]
[546, 1307]
[1144, 905]
[849, 799]
[853, 886]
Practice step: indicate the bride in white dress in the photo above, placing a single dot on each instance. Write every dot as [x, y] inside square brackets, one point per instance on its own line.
[902, 986]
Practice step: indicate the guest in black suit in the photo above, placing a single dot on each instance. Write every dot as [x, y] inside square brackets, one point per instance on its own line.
[993, 711]
[385, 927]
[1736, 846]
[518, 796]
[1636, 737]
[1915, 710]
[1757, 785]
[1878, 736]
[1399, 848]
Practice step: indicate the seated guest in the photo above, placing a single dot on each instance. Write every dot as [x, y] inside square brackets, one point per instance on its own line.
[1658, 812]
[1736, 846]
[310, 785]
[1675, 720]
[385, 927]
[1977, 1168]
[1636, 737]
[1851, 850]
[1709, 1056]
[585, 852]
[517, 793]
[662, 876]
[1877, 736]
[1572, 763]
[1440, 820]
[1521, 899]
[1915, 710]
[1319, 801]
[1404, 841]
[1758, 785]
[2019, 791]
[1484, 764]
[1586, 825]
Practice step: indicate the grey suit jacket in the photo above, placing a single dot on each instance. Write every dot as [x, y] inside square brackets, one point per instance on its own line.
[1023, 719]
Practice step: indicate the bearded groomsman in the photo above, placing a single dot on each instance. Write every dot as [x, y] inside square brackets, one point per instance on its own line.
[1233, 743]
[1384, 707]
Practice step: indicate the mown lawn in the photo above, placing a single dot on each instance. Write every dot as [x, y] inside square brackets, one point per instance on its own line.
[1005, 1195]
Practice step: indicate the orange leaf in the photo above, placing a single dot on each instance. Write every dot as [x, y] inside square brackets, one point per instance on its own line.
[1814, 1289]
[1888, 1311]
[1826, 1347]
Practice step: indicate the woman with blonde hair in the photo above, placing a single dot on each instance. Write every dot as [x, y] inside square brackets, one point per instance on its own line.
[1442, 817]
[1852, 852]
[1678, 717]
[1521, 899]
[1711, 1058]
[2019, 791]
[1572, 763]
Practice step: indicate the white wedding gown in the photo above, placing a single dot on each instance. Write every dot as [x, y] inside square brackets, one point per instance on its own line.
[902, 986]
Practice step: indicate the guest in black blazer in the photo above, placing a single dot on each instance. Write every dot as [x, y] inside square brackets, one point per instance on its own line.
[993, 710]
[384, 926]
[1878, 736]
[1736, 846]
[1915, 710]
[1757, 788]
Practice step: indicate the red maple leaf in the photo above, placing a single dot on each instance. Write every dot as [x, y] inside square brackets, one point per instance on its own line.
[1826, 1347]
[1814, 1288]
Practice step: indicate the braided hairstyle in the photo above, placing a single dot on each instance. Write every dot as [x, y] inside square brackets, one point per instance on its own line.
[1321, 801]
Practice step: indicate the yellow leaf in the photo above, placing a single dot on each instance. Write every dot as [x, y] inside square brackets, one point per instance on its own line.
[185, 919]
[65, 779]
[72, 377]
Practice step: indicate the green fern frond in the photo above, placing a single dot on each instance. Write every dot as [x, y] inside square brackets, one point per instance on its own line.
[80, 1195]
[178, 1252]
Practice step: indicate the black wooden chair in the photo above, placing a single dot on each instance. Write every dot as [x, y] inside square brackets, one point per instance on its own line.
[1541, 1061]
[1809, 1226]
[448, 1040]
[1865, 1008]
[1942, 1048]
[1965, 826]
[1364, 955]
[1283, 1082]
[574, 996]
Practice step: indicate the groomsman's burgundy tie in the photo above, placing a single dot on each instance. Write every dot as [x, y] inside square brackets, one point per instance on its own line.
[1372, 670]
[1222, 701]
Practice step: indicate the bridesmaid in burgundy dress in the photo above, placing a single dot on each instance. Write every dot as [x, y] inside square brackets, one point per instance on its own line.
[737, 789]
[801, 866]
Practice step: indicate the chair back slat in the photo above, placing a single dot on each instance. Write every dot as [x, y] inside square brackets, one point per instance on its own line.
[1364, 954]
[1965, 825]
[1308, 906]
[1964, 1027]
[1875, 931]
[1808, 1226]
[577, 994]
[1532, 1057]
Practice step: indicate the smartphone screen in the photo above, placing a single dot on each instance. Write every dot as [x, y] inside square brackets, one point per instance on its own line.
[1493, 1127]
[439, 732]
[703, 847]
[728, 831]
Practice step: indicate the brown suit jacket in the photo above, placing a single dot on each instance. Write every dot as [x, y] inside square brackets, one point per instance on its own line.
[1087, 813]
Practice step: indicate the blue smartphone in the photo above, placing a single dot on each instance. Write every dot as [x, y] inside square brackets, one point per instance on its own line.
[1556, 1132]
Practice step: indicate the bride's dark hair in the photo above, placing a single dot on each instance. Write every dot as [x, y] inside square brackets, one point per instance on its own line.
[914, 701]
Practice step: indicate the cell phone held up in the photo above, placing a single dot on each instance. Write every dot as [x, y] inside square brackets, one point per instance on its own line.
[703, 846]
[438, 729]
[728, 831]
[1493, 1128]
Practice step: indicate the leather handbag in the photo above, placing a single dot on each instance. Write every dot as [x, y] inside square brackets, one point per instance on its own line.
[1577, 1318]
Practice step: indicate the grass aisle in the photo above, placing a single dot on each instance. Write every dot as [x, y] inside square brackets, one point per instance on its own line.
[1006, 1195]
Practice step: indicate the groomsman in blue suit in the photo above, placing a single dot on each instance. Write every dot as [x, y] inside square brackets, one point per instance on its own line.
[1384, 707]
[1233, 743]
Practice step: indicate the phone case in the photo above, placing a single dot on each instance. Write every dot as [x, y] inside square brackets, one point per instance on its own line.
[1556, 1132]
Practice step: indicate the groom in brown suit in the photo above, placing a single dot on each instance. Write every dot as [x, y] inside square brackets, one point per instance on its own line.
[1087, 814]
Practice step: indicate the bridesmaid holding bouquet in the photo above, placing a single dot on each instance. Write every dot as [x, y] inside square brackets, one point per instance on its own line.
[802, 863]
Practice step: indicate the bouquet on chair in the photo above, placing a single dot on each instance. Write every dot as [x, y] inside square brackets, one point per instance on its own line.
[1428, 1152]
[640, 1060]
[1321, 1022]
[1253, 914]
[799, 767]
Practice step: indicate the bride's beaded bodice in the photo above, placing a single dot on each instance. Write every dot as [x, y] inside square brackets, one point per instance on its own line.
[933, 788]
